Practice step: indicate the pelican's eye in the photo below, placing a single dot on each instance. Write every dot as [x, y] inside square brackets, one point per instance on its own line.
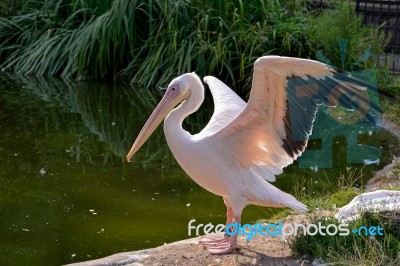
[175, 88]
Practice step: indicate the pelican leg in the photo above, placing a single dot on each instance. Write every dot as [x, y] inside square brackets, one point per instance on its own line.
[212, 241]
[226, 246]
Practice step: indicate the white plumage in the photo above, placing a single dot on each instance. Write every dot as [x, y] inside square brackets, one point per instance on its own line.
[244, 146]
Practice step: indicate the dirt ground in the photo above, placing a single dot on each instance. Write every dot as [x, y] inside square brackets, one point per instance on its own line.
[261, 250]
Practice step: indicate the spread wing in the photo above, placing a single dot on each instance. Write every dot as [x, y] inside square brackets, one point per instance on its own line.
[269, 133]
[227, 106]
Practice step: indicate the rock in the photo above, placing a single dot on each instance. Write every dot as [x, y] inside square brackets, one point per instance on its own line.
[318, 262]
[387, 177]
[305, 259]
[380, 200]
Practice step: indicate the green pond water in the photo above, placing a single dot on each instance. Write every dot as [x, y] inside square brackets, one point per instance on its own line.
[66, 194]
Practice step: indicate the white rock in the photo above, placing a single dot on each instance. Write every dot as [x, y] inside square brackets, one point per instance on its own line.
[371, 201]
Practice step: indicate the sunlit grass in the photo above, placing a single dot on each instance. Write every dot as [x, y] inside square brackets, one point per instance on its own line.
[353, 249]
[391, 109]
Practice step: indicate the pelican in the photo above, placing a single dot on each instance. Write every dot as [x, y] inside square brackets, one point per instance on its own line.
[244, 145]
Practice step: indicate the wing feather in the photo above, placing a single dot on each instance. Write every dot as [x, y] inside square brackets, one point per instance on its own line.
[227, 105]
[273, 129]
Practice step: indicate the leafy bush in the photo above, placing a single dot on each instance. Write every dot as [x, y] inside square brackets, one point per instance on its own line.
[355, 249]
[343, 41]
[150, 42]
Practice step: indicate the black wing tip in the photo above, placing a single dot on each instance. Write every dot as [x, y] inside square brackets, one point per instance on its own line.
[294, 147]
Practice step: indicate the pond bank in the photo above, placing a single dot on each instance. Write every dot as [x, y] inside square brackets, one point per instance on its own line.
[391, 127]
[261, 250]
[388, 177]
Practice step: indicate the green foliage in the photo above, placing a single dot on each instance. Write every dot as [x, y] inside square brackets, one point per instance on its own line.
[343, 197]
[150, 42]
[355, 249]
[221, 39]
[70, 40]
[343, 41]
[9, 7]
[388, 82]
[391, 108]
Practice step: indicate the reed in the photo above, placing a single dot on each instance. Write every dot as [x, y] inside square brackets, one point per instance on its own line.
[150, 42]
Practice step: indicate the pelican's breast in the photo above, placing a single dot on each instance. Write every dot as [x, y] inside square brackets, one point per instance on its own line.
[199, 160]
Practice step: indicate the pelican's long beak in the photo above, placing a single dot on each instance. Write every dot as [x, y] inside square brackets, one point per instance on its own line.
[167, 103]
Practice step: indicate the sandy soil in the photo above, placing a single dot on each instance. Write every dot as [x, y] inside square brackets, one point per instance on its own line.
[261, 250]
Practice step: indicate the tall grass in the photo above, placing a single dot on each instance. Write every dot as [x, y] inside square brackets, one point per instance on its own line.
[78, 44]
[150, 42]
[343, 41]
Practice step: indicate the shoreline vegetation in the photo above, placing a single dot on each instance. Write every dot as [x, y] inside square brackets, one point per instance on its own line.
[149, 43]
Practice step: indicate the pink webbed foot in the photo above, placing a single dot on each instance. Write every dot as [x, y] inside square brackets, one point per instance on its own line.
[219, 245]
[212, 241]
[224, 244]
[223, 247]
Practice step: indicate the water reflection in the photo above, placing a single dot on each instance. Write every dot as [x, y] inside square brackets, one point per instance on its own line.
[66, 193]
[112, 114]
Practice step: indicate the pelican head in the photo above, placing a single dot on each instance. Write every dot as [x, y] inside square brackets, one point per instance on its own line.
[178, 90]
